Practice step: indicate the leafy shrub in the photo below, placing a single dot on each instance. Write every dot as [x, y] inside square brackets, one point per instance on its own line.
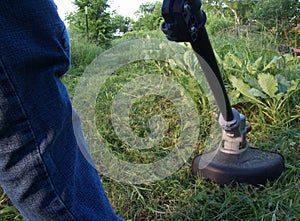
[216, 24]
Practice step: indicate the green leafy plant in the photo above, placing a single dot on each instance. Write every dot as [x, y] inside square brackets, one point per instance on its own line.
[270, 93]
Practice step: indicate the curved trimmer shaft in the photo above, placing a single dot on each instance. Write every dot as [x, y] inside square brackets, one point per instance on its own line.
[184, 22]
[234, 161]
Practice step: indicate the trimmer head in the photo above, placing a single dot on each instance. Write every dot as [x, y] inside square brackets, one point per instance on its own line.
[235, 161]
[252, 166]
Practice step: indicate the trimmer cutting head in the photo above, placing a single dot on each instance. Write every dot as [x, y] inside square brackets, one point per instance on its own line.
[235, 161]
[252, 166]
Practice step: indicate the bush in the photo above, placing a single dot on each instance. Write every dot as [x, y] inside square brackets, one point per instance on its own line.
[216, 24]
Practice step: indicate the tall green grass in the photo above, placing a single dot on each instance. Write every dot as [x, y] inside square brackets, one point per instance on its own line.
[182, 196]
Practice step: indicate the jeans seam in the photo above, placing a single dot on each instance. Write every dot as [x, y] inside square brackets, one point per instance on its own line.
[40, 158]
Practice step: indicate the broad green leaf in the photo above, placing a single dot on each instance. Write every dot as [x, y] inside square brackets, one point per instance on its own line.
[256, 93]
[244, 89]
[279, 96]
[234, 96]
[252, 81]
[283, 83]
[268, 84]
[239, 84]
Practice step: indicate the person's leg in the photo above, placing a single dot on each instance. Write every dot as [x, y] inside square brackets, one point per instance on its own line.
[42, 169]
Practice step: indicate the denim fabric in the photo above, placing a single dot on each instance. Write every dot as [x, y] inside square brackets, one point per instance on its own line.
[42, 169]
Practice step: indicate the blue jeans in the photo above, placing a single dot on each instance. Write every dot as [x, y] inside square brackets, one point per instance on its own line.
[42, 169]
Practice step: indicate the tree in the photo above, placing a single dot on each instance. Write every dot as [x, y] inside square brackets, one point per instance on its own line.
[100, 29]
[279, 16]
[231, 8]
[149, 17]
[120, 23]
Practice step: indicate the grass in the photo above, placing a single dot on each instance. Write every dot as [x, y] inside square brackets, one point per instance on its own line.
[182, 196]
[7, 210]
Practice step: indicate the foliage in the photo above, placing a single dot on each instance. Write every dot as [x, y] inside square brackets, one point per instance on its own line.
[216, 24]
[104, 26]
[149, 17]
[83, 53]
[279, 16]
[230, 9]
[256, 76]
[120, 23]
[270, 93]
[100, 29]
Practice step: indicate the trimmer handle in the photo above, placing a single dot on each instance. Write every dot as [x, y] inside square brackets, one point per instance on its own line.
[183, 19]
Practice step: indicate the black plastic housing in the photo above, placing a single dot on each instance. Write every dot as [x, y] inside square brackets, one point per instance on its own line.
[253, 166]
[183, 19]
